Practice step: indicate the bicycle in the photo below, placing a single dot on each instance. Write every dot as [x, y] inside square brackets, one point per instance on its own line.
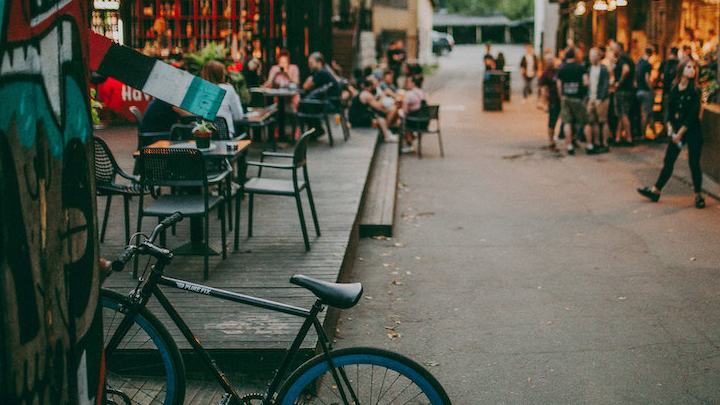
[357, 375]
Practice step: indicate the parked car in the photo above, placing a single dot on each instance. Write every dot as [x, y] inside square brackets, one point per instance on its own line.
[441, 43]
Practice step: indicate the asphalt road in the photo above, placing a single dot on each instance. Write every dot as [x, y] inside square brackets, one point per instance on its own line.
[519, 277]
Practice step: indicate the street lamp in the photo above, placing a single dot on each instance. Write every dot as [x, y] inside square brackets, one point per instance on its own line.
[612, 5]
[621, 3]
[600, 5]
[580, 8]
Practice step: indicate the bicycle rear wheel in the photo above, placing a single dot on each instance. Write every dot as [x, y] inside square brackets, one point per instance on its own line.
[146, 367]
[368, 375]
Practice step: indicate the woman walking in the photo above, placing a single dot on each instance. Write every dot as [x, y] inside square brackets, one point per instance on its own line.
[684, 128]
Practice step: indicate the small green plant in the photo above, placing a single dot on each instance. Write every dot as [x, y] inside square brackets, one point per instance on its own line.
[204, 126]
[211, 51]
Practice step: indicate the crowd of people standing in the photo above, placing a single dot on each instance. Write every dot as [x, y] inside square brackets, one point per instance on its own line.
[587, 92]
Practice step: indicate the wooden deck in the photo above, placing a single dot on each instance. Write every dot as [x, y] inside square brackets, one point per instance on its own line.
[265, 262]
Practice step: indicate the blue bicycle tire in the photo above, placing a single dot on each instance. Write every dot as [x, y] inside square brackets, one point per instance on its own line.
[304, 382]
[148, 367]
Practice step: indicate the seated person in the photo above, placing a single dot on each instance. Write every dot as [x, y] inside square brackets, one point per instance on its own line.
[231, 107]
[364, 108]
[160, 116]
[415, 99]
[388, 101]
[283, 74]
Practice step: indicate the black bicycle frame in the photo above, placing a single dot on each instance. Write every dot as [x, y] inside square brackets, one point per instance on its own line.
[156, 278]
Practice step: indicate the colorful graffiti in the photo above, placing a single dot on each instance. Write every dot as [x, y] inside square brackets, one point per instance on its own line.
[50, 330]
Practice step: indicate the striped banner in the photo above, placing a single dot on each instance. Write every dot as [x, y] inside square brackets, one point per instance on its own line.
[154, 77]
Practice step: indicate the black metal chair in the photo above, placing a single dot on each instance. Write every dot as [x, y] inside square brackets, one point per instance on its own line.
[340, 107]
[175, 167]
[146, 138]
[106, 172]
[223, 131]
[312, 111]
[282, 187]
[181, 132]
[422, 123]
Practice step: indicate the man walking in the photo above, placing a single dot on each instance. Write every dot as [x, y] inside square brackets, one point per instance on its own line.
[571, 80]
[528, 68]
[597, 131]
[643, 72]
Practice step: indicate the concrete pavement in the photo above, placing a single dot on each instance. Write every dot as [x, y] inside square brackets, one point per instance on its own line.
[519, 277]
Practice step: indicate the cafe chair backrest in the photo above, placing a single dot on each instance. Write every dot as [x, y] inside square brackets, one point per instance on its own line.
[172, 167]
[222, 132]
[181, 132]
[300, 152]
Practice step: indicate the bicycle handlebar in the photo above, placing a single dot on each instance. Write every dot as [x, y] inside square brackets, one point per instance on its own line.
[147, 245]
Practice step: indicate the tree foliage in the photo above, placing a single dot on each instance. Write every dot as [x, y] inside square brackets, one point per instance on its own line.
[512, 9]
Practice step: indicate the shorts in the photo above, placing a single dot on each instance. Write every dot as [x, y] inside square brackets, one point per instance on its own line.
[572, 111]
[646, 100]
[553, 114]
[597, 111]
[623, 102]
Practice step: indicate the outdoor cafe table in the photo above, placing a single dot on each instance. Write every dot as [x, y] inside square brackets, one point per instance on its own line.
[218, 151]
[259, 117]
[282, 94]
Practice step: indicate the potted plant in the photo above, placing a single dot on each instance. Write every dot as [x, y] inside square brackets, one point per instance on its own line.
[202, 130]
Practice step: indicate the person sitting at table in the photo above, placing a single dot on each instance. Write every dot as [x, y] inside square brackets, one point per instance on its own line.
[160, 116]
[231, 107]
[364, 108]
[321, 76]
[283, 74]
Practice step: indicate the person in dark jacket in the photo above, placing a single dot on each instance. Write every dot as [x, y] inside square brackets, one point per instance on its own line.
[684, 128]
[597, 131]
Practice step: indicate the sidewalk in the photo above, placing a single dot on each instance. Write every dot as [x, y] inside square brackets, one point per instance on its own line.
[264, 263]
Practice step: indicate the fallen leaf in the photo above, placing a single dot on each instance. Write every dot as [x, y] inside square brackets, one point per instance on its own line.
[385, 254]
[580, 235]
[483, 240]
[399, 244]
[529, 379]
[418, 258]
[396, 282]
[393, 335]
[622, 298]
[389, 327]
[692, 259]
[431, 363]
[408, 272]
[367, 297]
[550, 323]
[360, 258]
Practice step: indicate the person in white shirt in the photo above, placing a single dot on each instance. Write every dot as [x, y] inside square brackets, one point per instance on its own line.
[597, 130]
[230, 108]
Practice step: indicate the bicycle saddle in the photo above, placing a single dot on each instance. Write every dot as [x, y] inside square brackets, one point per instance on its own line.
[338, 295]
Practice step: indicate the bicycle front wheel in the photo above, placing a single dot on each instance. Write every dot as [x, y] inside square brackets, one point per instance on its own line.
[146, 366]
[367, 376]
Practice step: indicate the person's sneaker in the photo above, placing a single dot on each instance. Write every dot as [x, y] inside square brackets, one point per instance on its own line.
[590, 149]
[647, 192]
[553, 148]
[699, 202]
[391, 138]
[602, 149]
[571, 150]
[406, 149]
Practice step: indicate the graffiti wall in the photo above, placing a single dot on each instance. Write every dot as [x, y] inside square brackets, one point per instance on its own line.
[50, 334]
